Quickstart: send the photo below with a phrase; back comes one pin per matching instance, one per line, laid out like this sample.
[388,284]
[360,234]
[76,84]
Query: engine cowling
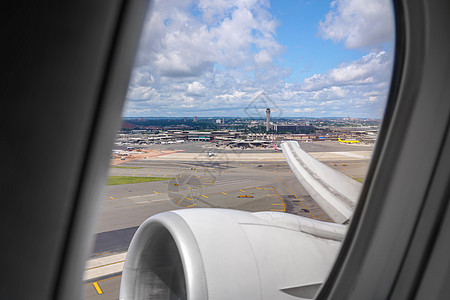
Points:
[228,254]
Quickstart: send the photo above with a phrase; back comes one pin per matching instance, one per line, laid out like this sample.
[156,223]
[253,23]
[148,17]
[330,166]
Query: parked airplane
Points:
[68,63]
[348,141]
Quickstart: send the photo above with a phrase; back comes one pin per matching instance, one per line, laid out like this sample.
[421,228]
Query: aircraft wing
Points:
[334,192]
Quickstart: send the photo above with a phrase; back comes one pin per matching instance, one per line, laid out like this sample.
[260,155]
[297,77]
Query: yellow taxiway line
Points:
[296,196]
[97,288]
[282,202]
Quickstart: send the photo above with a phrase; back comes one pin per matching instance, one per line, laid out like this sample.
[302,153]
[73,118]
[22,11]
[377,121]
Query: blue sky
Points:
[305,52]
[214,58]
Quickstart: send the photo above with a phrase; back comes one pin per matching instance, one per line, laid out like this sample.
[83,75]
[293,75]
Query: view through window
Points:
[231,101]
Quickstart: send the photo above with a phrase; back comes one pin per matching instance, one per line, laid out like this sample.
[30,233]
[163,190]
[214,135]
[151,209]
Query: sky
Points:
[234,58]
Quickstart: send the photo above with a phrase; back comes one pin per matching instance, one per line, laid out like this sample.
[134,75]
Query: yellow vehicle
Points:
[349,141]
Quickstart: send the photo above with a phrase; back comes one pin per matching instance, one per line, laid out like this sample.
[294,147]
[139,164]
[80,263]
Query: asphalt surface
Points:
[247,185]
[329,146]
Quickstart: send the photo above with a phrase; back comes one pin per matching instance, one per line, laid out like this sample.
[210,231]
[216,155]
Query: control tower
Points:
[267,119]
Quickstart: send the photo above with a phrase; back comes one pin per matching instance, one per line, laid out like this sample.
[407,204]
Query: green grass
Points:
[115,180]
[119,167]
[359,179]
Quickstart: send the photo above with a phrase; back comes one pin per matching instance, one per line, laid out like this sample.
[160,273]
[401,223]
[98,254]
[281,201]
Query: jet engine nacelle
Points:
[228,254]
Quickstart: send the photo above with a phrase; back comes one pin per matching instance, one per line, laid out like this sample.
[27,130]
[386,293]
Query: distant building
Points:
[199,136]
[185,119]
[219,121]
[293,129]
[223,120]
[267,119]
[195,118]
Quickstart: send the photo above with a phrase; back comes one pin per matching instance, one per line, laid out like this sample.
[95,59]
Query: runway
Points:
[232,181]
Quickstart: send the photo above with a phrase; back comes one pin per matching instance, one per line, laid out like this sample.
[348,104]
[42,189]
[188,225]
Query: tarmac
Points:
[251,181]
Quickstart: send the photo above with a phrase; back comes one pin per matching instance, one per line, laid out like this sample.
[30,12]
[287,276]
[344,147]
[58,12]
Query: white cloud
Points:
[306,109]
[371,68]
[359,23]
[179,44]
[214,62]
[140,92]
[332,92]
[195,88]
[263,58]
[358,88]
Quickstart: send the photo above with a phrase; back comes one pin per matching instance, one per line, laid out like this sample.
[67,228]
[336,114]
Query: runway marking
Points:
[155,192]
[97,288]
[149,175]
[190,188]
[189,199]
[165,176]
[181,175]
[252,164]
[271,195]
[282,202]
[112,198]
[277,204]
[192,205]
[259,188]
[133,175]
[205,196]
[296,197]
[275,171]
[224,193]
[242,191]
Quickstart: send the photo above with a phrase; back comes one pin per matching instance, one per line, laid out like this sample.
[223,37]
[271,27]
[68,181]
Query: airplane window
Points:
[270,108]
